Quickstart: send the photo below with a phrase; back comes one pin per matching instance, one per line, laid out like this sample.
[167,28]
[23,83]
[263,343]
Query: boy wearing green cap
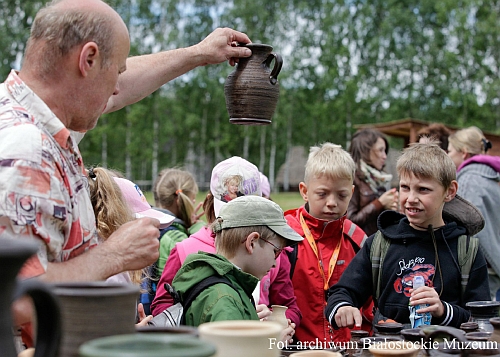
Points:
[251,232]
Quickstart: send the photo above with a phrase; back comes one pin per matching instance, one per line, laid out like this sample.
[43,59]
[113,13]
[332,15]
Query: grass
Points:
[286,200]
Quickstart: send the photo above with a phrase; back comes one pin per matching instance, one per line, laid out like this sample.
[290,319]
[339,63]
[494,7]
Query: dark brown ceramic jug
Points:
[91,310]
[13,254]
[252,89]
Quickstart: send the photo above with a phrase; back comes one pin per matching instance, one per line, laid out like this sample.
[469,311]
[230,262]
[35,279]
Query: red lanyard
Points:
[314,247]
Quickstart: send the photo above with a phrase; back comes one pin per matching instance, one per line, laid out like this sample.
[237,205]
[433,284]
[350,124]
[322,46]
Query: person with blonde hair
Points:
[116,201]
[174,192]
[478,176]
[332,240]
[423,242]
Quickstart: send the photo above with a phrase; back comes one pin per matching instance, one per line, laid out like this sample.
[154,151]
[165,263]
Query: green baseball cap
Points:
[247,211]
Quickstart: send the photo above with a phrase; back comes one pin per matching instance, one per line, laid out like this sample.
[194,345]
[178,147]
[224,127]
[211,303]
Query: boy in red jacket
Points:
[331,240]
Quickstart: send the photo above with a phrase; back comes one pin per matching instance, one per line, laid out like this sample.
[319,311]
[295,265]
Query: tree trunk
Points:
[262,161]
[128,140]
[104,146]
[272,156]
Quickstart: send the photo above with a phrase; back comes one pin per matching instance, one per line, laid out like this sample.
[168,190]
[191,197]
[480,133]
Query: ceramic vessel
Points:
[495,322]
[394,348]
[388,329]
[278,315]
[168,330]
[252,89]
[448,341]
[481,312]
[92,310]
[478,336]
[13,254]
[469,327]
[413,334]
[142,345]
[242,338]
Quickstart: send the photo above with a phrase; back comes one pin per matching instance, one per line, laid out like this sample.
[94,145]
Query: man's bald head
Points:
[64,25]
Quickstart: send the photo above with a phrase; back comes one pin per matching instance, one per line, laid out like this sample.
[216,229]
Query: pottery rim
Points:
[234,328]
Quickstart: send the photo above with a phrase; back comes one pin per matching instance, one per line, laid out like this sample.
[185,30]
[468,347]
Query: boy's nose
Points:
[413,197]
[331,202]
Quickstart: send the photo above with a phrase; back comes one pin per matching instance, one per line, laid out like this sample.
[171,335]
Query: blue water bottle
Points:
[415,318]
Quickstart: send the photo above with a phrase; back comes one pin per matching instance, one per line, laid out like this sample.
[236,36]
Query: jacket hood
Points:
[200,266]
[489,160]
[394,225]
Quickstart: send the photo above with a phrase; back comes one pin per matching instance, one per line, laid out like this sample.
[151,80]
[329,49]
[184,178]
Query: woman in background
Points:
[478,176]
[372,193]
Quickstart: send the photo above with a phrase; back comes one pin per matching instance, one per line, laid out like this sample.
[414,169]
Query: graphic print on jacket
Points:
[409,270]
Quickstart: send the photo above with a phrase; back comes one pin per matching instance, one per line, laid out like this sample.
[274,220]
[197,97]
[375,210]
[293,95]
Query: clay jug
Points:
[278,315]
[13,254]
[92,310]
[252,89]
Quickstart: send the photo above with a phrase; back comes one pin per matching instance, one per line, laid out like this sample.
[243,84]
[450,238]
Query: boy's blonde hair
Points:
[173,183]
[427,160]
[330,160]
[228,240]
[470,140]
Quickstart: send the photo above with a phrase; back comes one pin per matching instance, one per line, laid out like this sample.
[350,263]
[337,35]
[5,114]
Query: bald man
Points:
[75,68]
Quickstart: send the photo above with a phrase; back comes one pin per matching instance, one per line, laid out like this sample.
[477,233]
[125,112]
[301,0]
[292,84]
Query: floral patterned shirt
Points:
[43,189]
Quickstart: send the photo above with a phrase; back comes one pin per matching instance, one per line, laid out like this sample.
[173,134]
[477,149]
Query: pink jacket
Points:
[275,288]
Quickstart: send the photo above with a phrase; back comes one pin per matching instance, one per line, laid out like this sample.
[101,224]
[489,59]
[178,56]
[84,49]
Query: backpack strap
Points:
[292,257]
[467,250]
[193,293]
[378,251]
[355,235]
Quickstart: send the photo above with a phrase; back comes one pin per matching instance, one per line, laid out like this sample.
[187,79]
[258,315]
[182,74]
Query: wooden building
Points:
[408,129]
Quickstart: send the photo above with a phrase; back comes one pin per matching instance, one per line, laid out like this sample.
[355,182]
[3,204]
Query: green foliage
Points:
[345,63]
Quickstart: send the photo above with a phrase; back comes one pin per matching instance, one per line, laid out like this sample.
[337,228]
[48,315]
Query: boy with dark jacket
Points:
[422,242]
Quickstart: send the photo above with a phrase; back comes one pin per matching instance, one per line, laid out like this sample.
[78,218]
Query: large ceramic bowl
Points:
[144,345]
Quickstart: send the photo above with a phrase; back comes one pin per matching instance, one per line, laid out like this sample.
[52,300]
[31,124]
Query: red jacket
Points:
[307,280]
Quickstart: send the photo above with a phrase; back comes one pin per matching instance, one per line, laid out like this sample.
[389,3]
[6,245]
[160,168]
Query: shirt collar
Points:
[39,111]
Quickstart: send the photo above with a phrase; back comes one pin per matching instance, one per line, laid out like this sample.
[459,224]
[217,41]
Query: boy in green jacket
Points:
[251,232]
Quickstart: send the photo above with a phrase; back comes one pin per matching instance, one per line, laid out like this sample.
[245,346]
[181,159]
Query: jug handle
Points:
[278,63]
[47,309]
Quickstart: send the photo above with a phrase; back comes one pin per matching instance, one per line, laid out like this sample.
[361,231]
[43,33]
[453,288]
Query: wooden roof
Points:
[408,129]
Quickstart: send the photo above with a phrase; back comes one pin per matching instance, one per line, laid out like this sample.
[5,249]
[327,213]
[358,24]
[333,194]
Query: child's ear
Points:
[251,241]
[452,191]
[303,190]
